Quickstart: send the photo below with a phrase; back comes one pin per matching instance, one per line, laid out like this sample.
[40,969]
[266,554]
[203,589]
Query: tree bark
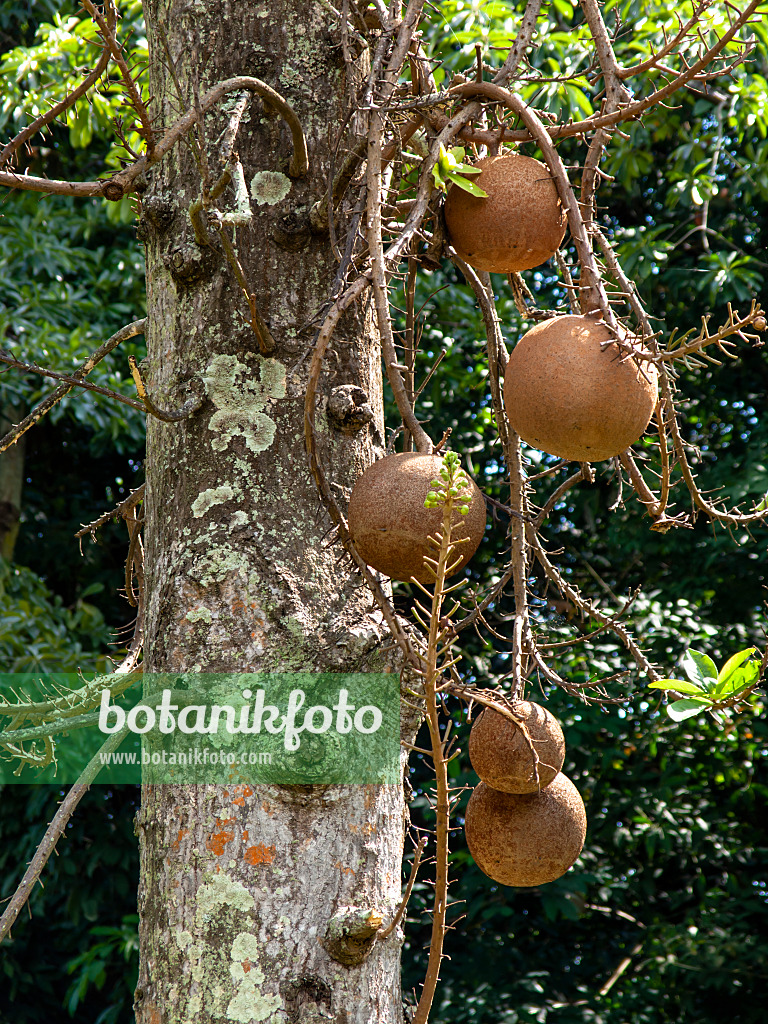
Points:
[239,885]
[11,484]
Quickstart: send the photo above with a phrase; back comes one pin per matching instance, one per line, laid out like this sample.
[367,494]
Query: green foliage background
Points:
[672,875]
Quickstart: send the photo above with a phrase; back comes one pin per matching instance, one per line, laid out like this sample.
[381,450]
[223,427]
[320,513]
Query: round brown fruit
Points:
[390,525]
[568,395]
[501,756]
[519,225]
[527,839]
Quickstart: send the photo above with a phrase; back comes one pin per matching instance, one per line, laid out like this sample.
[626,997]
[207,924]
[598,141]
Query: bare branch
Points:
[115,187]
[130,331]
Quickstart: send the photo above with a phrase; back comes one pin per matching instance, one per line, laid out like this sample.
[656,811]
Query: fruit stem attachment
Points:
[592,291]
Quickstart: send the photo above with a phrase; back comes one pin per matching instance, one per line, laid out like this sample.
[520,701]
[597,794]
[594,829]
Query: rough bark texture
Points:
[239,886]
[11,483]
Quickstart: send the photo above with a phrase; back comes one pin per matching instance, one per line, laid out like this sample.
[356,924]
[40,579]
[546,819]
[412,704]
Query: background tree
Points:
[611,547]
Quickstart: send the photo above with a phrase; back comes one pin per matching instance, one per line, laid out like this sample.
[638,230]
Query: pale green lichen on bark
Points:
[217,564]
[227,986]
[199,615]
[269,188]
[221,891]
[249,1003]
[213,496]
[241,399]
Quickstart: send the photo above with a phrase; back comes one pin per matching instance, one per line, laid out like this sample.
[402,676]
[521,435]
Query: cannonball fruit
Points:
[567,395]
[519,225]
[503,759]
[390,525]
[526,839]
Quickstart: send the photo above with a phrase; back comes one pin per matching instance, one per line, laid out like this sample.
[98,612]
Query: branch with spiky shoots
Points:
[685,347]
[451,493]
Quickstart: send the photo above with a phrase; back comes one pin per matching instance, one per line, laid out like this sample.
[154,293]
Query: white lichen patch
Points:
[269,187]
[241,399]
[221,892]
[213,496]
[240,518]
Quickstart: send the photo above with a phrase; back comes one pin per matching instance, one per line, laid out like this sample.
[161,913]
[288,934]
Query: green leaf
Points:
[699,668]
[679,685]
[468,169]
[740,679]
[679,710]
[468,186]
[733,663]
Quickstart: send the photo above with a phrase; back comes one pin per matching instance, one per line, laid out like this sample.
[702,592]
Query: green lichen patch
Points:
[269,188]
[249,1003]
[222,891]
[217,564]
[213,496]
[199,615]
[241,398]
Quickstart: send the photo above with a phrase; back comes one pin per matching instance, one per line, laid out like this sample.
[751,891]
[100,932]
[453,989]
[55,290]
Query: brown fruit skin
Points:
[568,396]
[502,758]
[519,226]
[389,524]
[528,839]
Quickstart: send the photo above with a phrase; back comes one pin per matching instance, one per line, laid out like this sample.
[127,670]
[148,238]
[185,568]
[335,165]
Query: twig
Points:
[58,108]
[130,331]
[408,889]
[134,97]
[55,830]
[119,510]
[17,364]
[115,187]
[168,416]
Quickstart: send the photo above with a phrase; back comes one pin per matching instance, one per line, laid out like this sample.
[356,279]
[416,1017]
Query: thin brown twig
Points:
[108,34]
[57,109]
[119,184]
[129,331]
[408,889]
[119,510]
[65,378]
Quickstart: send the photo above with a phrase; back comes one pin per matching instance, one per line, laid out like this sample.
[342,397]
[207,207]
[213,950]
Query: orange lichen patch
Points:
[182,832]
[259,854]
[344,870]
[367,829]
[239,795]
[222,835]
[370,797]
[154,1016]
[245,835]
[246,965]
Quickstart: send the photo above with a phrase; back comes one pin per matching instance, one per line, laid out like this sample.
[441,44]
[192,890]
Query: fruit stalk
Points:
[438,660]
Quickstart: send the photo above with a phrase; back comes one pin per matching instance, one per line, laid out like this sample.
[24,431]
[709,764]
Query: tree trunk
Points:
[11,484]
[238,885]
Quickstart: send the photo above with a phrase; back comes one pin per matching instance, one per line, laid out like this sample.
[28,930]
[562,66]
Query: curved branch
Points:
[119,184]
[57,109]
[625,113]
[129,331]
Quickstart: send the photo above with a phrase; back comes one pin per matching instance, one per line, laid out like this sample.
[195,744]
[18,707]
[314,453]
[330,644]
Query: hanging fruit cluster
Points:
[573,389]
[525,822]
